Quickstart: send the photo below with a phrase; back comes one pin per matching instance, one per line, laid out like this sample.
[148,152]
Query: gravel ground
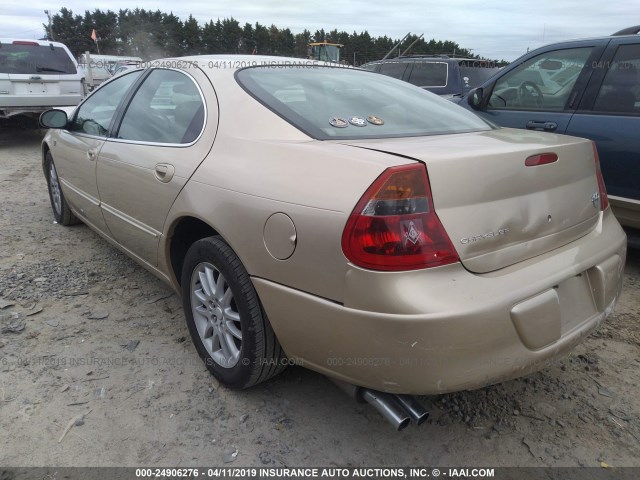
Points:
[92,340]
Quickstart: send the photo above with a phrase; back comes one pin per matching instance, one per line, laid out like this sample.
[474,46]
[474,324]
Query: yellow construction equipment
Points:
[325,51]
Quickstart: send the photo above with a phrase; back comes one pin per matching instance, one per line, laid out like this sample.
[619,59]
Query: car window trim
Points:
[607,114]
[129,98]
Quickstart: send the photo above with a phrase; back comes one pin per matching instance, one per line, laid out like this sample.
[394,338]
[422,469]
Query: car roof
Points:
[428,57]
[232,63]
[43,43]
[569,42]
[627,32]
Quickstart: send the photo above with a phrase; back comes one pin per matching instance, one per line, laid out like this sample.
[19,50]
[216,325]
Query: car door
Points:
[541,91]
[610,115]
[157,146]
[77,148]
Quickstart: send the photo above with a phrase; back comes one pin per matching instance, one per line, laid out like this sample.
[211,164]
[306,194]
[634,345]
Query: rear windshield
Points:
[32,59]
[343,103]
[429,74]
[393,69]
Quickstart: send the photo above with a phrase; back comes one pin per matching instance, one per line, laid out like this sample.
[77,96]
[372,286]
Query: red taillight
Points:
[541,159]
[602,191]
[23,42]
[394,225]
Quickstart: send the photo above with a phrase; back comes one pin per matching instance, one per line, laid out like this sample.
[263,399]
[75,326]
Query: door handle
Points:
[92,153]
[546,126]
[164,172]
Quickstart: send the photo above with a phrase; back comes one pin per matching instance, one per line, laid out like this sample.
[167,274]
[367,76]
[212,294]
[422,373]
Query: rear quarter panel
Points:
[261,165]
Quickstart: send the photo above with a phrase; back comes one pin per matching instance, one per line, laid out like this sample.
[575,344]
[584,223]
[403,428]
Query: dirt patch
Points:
[86,329]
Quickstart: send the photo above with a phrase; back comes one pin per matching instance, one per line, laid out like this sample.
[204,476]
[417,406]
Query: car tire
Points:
[61,211]
[228,326]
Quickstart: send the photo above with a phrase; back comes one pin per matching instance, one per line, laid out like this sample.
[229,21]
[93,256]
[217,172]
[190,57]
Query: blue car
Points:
[448,77]
[586,88]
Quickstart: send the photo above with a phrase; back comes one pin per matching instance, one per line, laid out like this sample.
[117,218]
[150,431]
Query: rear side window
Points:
[167,108]
[429,74]
[343,103]
[620,91]
[29,59]
[393,69]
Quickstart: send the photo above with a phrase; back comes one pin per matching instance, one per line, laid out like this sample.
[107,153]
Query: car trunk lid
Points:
[497,210]
[33,84]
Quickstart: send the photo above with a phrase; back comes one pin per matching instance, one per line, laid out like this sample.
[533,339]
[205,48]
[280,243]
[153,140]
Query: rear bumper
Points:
[446,329]
[38,102]
[626,210]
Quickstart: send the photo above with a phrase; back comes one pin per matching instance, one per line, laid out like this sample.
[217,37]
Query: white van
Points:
[36,75]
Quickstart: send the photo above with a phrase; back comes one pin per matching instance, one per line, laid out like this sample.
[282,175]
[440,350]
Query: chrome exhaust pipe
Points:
[385,403]
[413,408]
[388,407]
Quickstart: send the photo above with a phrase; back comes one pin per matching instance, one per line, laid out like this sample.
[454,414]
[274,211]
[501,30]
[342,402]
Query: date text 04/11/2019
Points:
[248,473]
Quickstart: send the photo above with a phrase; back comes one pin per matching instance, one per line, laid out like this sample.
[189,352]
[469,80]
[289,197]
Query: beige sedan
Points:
[354,223]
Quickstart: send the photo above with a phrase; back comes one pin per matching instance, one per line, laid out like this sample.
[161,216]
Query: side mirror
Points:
[54,119]
[475,98]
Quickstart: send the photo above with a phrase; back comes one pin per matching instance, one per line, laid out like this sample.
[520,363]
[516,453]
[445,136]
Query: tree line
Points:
[154,34]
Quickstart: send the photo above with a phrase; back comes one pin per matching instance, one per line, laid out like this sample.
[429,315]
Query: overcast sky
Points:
[500,29]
